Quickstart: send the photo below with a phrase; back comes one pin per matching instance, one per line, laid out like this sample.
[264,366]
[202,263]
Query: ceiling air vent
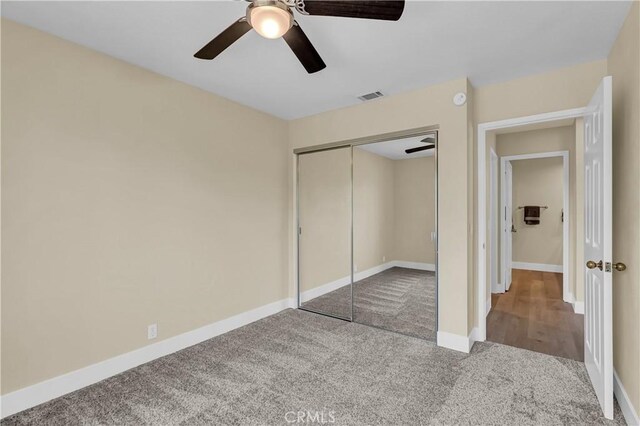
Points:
[370,96]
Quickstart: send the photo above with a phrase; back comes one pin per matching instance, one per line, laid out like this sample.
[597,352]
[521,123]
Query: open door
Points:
[507,224]
[598,329]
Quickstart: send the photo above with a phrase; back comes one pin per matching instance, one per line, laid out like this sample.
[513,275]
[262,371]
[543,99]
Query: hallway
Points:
[532,315]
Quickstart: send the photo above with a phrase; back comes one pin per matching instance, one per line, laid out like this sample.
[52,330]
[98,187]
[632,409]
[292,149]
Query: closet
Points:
[366,225]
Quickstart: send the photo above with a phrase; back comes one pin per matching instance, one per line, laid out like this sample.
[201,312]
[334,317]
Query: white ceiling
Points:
[395,149]
[433,42]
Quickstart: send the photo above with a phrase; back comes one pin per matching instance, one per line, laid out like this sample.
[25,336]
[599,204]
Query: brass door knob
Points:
[619,266]
[592,265]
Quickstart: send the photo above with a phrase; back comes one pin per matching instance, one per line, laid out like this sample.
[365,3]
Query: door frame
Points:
[494,228]
[504,255]
[566,241]
[481,258]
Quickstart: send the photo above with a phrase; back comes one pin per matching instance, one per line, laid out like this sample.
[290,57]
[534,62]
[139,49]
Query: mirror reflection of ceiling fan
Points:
[430,142]
[274,19]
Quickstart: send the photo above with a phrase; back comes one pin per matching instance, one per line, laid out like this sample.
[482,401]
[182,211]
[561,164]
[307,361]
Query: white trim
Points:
[483,128]
[341,282]
[488,305]
[47,390]
[542,267]
[536,155]
[505,233]
[624,401]
[415,265]
[494,223]
[473,337]
[578,307]
[455,341]
[324,289]
[571,299]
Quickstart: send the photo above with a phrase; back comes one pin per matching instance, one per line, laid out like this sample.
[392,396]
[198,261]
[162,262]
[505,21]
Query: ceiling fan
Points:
[429,140]
[274,19]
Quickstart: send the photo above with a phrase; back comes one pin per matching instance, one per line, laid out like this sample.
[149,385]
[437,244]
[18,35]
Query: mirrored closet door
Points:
[394,250]
[367,245]
[324,232]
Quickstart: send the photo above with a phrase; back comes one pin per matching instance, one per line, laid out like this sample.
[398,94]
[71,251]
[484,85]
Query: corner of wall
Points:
[472,207]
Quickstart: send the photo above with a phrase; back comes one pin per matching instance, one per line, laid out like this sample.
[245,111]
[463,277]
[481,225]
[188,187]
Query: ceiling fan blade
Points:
[303,49]
[418,149]
[388,10]
[224,39]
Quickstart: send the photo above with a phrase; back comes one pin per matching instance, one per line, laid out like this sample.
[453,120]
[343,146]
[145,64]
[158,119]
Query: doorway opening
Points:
[593,198]
[533,301]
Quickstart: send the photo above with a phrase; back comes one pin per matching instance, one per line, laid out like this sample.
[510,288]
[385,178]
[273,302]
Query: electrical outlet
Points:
[152,331]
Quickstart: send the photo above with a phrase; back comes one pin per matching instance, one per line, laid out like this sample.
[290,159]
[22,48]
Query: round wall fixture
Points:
[459,99]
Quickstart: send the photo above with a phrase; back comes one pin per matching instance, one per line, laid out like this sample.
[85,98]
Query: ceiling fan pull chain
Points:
[300,7]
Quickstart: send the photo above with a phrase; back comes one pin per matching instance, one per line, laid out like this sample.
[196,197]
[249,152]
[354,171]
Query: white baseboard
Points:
[47,390]
[341,282]
[630,414]
[569,298]
[372,271]
[543,267]
[474,336]
[324,289]
[455,341]
[578,307]
[414,265]
[497,288]
[488,307]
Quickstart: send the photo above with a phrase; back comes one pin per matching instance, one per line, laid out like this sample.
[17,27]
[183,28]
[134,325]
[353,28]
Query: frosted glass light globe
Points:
[270,21]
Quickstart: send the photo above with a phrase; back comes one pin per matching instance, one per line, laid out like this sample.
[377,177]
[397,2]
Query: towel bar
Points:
[542,207]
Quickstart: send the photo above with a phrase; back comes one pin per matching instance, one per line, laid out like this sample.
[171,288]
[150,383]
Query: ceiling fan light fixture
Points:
[270,19]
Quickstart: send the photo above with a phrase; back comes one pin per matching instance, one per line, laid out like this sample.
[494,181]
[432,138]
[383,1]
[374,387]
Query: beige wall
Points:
[393,213]
[538,182]
[428,106]
[121,209]
[325,217]
[373,209]
[567,137]
[564,88]
[394,209]
[415,211]
[624,66]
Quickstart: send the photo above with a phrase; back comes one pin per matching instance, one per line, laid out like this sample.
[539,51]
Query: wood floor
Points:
[532,315]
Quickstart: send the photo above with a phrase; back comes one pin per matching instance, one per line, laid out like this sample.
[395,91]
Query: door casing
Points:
[480,332]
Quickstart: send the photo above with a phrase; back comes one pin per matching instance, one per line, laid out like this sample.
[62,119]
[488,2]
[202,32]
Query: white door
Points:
[507,224]
[598,347]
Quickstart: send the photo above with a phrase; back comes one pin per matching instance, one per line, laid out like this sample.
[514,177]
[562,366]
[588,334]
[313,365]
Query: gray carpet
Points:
[298,361]
[398,299]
